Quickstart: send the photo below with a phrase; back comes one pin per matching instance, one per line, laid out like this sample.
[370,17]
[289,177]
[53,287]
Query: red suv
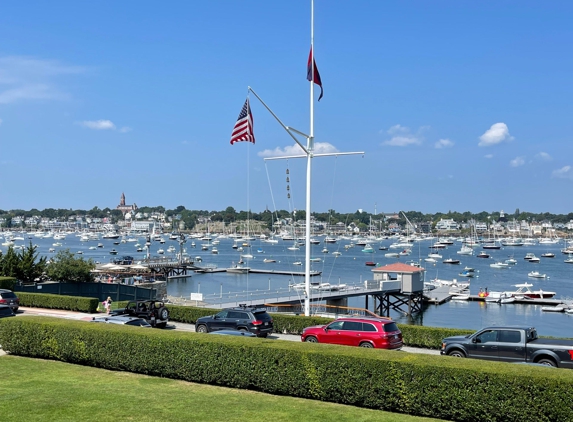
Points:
[381,333]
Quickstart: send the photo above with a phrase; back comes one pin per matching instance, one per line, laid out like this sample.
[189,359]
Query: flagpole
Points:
[310,148]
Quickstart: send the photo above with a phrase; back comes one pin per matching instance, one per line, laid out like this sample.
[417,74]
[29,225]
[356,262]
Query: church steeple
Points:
[122,200]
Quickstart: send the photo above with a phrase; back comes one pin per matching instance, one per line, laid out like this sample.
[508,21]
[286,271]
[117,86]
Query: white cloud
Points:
[25,78]
[497,133]
[402,136]
[488,156]
[563,173]
[319,148]
[125,129]
[444,143]
[544,156]
[98,124]
[517,161]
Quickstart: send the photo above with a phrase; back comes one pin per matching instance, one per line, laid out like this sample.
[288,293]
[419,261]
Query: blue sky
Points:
[462,106]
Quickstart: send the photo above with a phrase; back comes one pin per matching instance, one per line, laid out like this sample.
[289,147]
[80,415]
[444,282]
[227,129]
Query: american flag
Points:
[313,76]
[243,130]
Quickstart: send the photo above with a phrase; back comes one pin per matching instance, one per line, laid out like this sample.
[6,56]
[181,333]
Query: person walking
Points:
[108,304]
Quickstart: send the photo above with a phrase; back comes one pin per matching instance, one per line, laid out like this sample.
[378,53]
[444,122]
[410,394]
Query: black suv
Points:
[243,318]
[153,311]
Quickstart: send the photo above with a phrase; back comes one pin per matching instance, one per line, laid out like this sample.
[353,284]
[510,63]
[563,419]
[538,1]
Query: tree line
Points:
[229,215]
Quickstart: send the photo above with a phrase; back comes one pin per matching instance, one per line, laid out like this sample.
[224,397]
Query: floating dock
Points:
[256,271]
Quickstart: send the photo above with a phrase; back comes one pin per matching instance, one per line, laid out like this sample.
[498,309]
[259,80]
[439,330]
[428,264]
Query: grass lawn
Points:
[41,390]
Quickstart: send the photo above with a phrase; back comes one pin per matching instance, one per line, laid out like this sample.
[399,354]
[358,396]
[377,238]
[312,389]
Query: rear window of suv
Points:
[262,316]
[390,327]
[8,295]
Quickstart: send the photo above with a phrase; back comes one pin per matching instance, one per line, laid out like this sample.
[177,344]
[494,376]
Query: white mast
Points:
[309,147]
[309,154]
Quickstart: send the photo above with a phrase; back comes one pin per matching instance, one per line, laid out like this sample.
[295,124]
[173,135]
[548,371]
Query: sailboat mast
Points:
[308,170]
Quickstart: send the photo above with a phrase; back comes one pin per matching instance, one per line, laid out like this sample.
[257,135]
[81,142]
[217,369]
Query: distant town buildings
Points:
[125,208]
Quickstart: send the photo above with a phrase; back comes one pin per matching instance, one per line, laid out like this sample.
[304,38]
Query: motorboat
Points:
[113,252]
[548,255]
[511,261]
[297,263]
[368,249]
[435,255]
[336,253]
[528,256]
[405,252]
[100,245]
[483,254]
[370,264]
[269,260]
[238,269]
[431,260]
[466,250]
[524,291]
[468,274]
[537,274]
[451,261]
[500,265]
[569,261]
[325,250]
[534,260]
[392,255]
[160,251]
[315,259]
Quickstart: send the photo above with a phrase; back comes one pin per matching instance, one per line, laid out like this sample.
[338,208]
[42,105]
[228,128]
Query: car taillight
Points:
[3,301]
[570,354]
[384,335]
[257,322]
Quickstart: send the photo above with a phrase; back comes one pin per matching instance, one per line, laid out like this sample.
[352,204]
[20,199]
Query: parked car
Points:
[8,297]
[243,318]
[123,320]
[510,344]
[380,333]
[6,311]
[153,311]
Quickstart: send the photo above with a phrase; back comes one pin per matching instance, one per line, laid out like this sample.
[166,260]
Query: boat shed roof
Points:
[398,267]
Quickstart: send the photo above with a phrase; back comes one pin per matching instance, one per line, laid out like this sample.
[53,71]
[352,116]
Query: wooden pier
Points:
[256,271]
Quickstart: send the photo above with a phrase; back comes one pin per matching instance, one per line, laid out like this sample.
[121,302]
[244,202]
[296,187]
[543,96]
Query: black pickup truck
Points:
[510,344]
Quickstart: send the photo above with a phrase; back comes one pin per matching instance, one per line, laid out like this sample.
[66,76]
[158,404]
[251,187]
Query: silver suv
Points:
[8,297]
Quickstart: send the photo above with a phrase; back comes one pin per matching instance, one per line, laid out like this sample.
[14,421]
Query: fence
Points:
[101,291]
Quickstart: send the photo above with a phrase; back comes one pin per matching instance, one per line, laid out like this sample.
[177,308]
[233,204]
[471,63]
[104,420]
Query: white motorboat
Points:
[500,265]
[511,261]
[548,255]
[368,249]
[537,274]
[336,253]
[431,260]
[392,255]
[466,250]
[524,291]
[238,269]
[160,251]
[534,260]
[269,260]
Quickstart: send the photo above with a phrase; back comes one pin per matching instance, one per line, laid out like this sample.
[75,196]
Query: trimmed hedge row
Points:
[7,283]
[51,301]
[424,385]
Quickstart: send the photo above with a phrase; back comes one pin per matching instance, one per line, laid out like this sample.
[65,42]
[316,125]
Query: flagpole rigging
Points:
[314,78]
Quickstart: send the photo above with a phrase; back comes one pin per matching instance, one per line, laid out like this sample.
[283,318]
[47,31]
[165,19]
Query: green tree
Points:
[30,268]
[66,267]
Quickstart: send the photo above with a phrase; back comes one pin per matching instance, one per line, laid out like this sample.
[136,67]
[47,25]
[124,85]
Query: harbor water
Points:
[349,268]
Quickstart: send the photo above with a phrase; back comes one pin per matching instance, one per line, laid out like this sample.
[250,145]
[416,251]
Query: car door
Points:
[511,345]
[219,321]
[332,333]
[352,333]
[484,345]
[236,319]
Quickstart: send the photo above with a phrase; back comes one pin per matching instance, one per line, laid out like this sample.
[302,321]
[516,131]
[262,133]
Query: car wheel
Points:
[456,354]
[366,345]
[201,329]
[311,339]
[547,362]
[164,314]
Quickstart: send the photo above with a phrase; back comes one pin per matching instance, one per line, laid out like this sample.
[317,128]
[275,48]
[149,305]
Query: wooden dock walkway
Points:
[256,271]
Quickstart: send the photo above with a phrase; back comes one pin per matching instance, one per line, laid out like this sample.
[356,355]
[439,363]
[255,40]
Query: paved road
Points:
[23,311]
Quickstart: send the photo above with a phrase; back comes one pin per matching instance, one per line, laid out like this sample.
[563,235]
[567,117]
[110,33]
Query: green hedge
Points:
[51,301]
[424,385]
[8,283]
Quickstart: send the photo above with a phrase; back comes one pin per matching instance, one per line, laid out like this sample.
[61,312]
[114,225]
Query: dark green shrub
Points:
[424,385]
[8,283]
[51,301]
